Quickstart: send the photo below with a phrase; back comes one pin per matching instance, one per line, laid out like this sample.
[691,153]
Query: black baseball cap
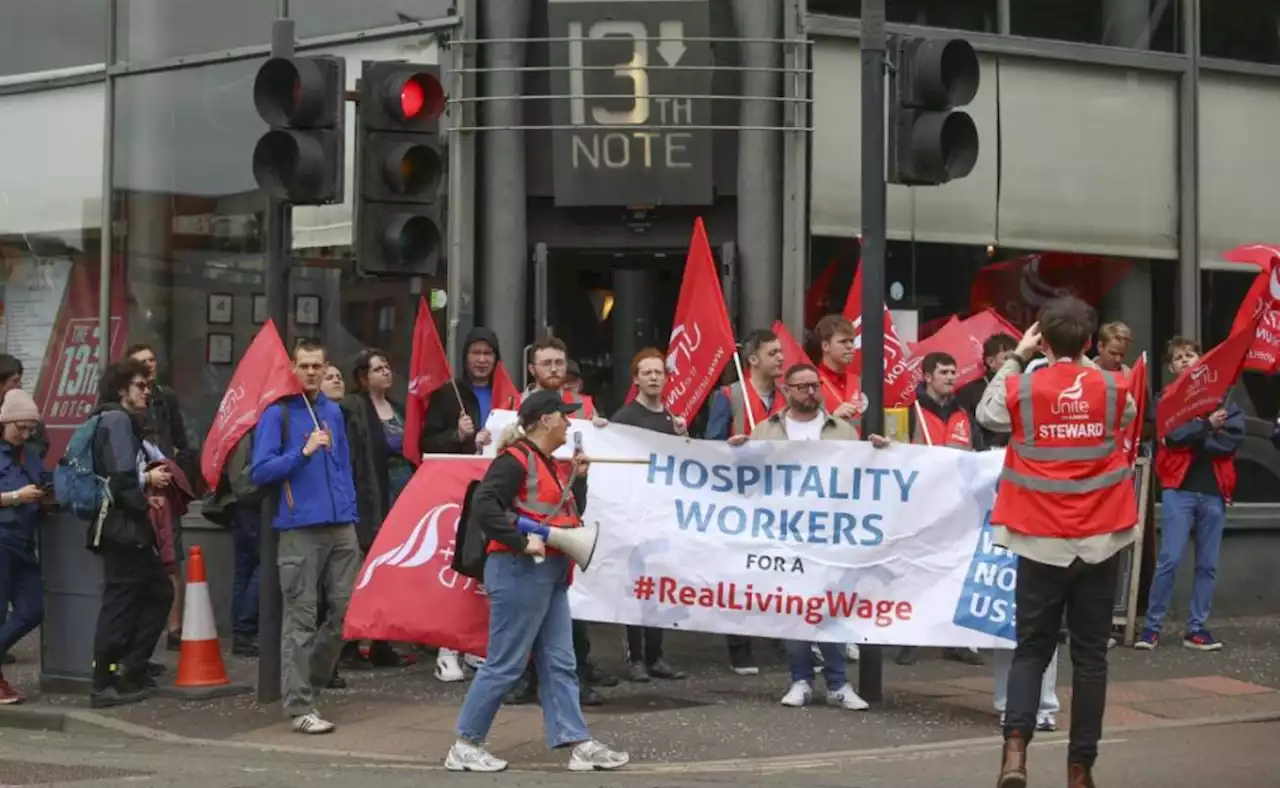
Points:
[544,403]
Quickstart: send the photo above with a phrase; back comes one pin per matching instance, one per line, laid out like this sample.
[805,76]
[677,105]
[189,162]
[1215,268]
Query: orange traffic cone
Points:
[201,673]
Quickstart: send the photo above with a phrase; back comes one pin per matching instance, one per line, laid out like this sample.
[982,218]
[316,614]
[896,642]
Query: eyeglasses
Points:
[552,363]
[808,388]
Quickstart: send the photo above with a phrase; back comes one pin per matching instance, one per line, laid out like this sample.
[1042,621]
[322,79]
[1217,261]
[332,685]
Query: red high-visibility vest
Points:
[739,425]
[1172,464]
[956,432]
[1066,474]
[839,388]
[543,496]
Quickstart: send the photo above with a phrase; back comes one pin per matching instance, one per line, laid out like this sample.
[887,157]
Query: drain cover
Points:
[36,773]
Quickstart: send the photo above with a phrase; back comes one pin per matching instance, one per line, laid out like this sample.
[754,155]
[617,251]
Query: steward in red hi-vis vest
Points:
[1066,474]
[738,424]
[547,495]
[932,429]
[587,409]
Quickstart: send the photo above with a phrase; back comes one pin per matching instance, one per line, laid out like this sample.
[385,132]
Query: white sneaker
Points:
[467,757]
[1046,722]
[312,724]
[448,668]
[798,696]
[746,670]
[846,698]
[852,653]
[591,756]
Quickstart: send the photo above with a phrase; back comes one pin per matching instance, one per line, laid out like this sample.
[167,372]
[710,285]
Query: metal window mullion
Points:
[1189,176]
[106,237]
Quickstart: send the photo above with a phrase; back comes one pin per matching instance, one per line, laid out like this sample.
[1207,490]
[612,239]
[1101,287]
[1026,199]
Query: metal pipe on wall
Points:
[1189,177]
[759,166]
[504,258]
[106,217]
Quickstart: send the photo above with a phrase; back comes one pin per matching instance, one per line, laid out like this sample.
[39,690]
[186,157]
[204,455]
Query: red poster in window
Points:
[67,390]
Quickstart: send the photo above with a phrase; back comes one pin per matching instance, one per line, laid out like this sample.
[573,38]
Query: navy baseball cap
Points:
[544,403]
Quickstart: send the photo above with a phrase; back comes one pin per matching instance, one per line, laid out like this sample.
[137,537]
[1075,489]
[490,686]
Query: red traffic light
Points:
[414,97]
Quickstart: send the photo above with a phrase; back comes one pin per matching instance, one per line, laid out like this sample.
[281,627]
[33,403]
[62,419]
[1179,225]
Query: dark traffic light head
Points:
[931,142]
[301,158]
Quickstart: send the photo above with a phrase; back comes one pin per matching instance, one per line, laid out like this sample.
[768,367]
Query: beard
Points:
[804,406]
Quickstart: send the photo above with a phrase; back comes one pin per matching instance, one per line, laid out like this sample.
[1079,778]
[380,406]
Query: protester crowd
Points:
[325,466]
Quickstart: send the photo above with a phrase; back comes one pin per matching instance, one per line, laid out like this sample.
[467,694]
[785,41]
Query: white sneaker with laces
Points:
[1046,722]
[591,756]
[852,653]
[467,757]
[846,698]
[448,668]
[312,724]
[798,696]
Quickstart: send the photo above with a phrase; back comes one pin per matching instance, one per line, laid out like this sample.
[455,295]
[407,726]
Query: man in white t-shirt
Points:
[804,419]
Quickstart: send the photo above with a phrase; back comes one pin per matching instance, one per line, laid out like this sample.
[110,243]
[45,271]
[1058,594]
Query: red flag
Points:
[504,391]
[1138,388]
[956,340]
[701,336]
[1202,388]
[264,375]
[792,352]
[1018,288]
[988,323]
[1259,307]
[899,386]
[428,371]
[406,590]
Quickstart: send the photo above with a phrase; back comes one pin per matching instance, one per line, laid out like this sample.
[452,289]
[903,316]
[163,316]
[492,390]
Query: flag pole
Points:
[920,420]
[746,394]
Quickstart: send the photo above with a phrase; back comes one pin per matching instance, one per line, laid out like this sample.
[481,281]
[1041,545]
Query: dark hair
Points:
[754,340]
[306,345]
[1178,343]
[360,370]
[549,343]
[1067,323]
[119,377]
[934,360]
[9,366]
[831,325]
[644,355]
[798,367]
[997,344]
[138,348]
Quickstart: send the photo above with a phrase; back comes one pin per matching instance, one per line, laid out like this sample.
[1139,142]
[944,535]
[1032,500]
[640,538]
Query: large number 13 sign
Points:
[635,70]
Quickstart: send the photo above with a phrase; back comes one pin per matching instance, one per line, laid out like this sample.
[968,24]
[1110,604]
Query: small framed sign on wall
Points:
[219,350]
[221,309]
[306,310]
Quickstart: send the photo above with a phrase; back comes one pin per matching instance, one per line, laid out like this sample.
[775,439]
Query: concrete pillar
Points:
[760,167]
[504,245]
[1126,23]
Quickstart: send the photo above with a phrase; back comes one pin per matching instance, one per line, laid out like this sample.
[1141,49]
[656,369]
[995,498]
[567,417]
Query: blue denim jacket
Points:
[20,466]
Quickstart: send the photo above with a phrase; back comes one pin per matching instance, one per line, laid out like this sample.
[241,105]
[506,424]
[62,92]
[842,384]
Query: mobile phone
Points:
[577,443]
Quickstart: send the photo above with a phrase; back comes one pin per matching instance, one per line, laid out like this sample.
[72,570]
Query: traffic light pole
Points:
[871,664]
[279,248]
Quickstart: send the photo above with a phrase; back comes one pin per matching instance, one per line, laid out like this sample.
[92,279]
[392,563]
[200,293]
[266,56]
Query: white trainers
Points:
[852,653]
[591,756]
[448,668]
[846,698]
[467,757]
[799,695]
[312,724]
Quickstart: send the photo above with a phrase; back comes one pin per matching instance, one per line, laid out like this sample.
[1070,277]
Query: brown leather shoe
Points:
[1079,776]
[1013,767]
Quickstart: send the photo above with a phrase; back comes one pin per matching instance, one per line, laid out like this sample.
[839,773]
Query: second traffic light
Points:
[930,141]
[401,155]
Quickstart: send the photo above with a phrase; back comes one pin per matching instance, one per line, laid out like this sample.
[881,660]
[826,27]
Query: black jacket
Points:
[440,433]
[368,444]
[116,446]
[969,396]
[168,431]
[497,492]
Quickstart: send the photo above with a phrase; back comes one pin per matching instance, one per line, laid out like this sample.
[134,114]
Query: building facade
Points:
[1125,146]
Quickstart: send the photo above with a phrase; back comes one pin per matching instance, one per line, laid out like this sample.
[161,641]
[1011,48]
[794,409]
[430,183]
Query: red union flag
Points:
[955,340]
[428,371]
[701,336]
[407,589]
[1138,388]
[896,351]
[1259,306]
[1202,388]
[264,375]
[1018,288]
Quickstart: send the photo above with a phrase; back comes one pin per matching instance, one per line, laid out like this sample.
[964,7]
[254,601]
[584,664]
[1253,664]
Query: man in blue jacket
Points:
[304,455]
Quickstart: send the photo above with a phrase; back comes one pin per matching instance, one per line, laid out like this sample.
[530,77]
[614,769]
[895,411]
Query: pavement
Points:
[713,717]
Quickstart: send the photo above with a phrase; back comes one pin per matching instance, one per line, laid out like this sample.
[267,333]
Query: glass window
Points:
[39,35]
[159,29]
[1241,30]
[978,15]
[50,215]
[1133,24]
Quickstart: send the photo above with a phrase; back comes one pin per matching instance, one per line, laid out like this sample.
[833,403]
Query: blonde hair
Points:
[1116,330]
[509,435]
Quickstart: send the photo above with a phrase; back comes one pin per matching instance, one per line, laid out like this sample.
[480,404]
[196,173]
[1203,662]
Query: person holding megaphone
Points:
[521,500]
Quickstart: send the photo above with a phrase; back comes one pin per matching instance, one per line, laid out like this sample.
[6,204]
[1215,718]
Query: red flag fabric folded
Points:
[428,371]
[702,340]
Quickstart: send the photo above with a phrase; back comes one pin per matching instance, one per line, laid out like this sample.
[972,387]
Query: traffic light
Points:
[930,141]
[400,150]
[300,159]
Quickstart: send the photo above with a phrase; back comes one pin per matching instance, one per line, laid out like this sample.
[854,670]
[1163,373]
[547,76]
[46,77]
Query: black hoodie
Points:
[440,433]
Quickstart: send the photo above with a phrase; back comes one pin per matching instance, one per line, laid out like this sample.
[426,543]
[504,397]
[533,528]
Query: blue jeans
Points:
[246,524]
[528,612]
[1184,515]
[800,661]
[20,587]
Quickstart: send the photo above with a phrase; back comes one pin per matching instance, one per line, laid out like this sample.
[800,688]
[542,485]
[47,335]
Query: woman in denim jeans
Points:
[528,585]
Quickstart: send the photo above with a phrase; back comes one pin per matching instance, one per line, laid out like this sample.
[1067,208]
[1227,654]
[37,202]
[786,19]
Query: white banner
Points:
[830,541]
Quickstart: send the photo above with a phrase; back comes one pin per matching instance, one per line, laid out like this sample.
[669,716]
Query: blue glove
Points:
[527,526]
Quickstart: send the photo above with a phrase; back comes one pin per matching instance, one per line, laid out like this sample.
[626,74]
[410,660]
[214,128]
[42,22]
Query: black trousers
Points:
[740,651]
[644,644]
[136,596]
[1086,593]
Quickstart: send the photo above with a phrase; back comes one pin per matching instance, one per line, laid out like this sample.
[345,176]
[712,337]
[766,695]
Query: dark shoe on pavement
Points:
[336,682]
[244,646]
[1079,776]
[118,694]
[587,696]
[1149,640]
[1201,641]
[906,656]
[1013,764]
[352,659]
[964,656]
[637,673]
[382,655]
[156,670]
[173,641]
[597,677]
[663,670]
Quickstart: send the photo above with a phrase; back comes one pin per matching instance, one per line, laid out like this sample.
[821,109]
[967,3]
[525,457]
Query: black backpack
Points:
[470,545]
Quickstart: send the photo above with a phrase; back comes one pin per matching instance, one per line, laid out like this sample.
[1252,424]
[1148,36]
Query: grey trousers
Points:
[313,561]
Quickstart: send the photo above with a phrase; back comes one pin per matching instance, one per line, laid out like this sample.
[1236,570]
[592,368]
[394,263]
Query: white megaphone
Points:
[577,543]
